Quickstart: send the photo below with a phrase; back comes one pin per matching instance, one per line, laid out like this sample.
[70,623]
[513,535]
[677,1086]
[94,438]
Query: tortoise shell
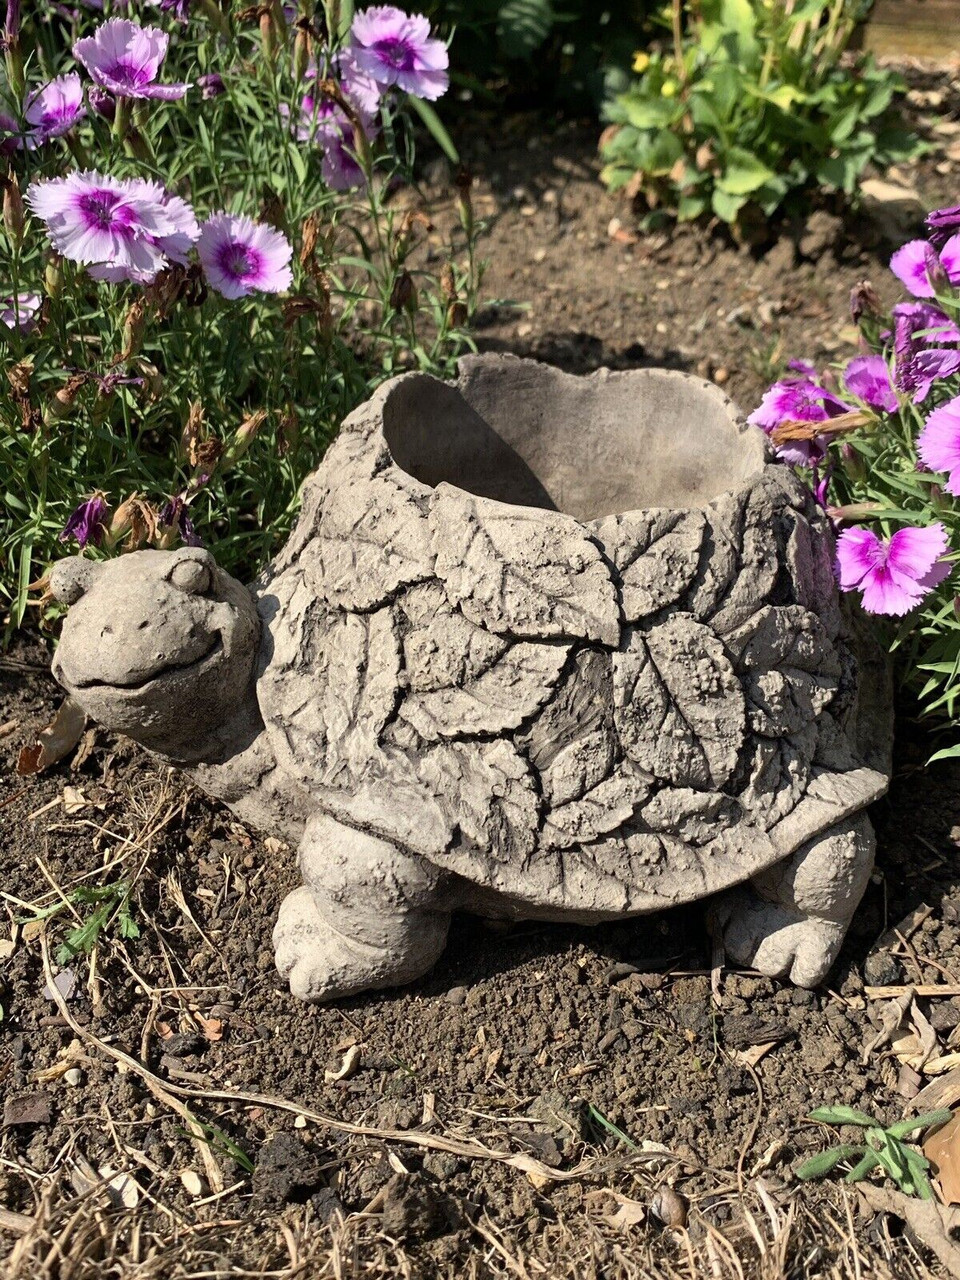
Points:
[594,713]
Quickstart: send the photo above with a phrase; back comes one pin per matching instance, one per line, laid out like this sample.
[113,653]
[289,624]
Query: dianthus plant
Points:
[879,441]
[214,249]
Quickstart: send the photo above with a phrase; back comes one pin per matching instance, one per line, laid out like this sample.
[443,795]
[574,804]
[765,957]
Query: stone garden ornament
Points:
[540,647]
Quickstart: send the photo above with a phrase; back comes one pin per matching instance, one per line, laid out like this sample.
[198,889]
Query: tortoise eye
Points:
[192,576]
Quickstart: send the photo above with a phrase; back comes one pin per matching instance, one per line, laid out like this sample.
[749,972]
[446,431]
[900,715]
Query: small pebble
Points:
[72,1076]
[456,996]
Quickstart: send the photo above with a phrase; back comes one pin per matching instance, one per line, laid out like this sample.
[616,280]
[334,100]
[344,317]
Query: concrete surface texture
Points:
[540,646]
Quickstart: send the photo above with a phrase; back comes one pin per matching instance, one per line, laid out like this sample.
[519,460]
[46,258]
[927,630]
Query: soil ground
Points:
[547,1096]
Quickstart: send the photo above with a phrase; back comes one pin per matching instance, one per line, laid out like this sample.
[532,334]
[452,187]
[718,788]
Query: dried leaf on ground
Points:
[930,1222]
[54,741]
[942,1149]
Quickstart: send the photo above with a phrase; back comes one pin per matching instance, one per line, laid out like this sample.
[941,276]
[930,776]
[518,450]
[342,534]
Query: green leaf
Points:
[819,1166]
[650,112]
[691,207]
[903,1127]
[523,26]
[945,753]
[726,206]
[860,1170]
[435,128]
[842,1115]
[743,173]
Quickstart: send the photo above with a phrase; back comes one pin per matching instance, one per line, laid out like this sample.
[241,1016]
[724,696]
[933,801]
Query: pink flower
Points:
[20,312]
[868,378]
[93,218]
[50,112]
[893,576]
[240,256]
[799,399]
[939,443]
[174,245]
[918,265]
[125,60]
[396,49]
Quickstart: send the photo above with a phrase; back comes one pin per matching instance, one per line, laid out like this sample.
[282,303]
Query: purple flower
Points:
[103,103]
[174,245]
[939,443]
[53,110]
[179,8]
[917,326]
[211,85]
[339,168]
[125,59]
[174,515]
[797,400]
[396,49]
[49,113]
[88,522]
[132,225]
[893,575]
[918,266]
[868,378]
[941,222]
[20,312]
[240,256]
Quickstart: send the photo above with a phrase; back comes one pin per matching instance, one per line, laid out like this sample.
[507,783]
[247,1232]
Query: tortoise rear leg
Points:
[368,915]
[790,921]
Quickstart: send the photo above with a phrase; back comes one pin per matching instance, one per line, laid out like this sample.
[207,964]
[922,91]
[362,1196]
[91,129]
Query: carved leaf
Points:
[441,647]
[327,711]
[373,539]
[678,704]
[656,553]
[487,790]
[604,808]
[528,573]
[781,702]
[579,767]
[498,700]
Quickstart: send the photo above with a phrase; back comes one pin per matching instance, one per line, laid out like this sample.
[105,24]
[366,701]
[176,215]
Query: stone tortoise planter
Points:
[539,647]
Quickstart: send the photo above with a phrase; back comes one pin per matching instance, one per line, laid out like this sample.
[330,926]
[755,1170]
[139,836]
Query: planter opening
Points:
[534,436]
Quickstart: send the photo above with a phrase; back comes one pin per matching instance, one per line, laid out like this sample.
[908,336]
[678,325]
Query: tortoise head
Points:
[160,645]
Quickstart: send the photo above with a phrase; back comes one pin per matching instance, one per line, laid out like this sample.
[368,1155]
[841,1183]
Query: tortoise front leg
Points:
[790,921]
[367,916]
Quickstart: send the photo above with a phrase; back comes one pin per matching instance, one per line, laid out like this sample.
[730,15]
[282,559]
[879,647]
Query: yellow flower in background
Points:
[669,89]
[641,61]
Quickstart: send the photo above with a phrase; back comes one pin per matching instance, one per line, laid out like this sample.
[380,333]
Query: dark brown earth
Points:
[600,1054]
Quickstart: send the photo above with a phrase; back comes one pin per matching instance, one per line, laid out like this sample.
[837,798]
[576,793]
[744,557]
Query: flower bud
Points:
[301,50]
[288,432]
[864,300]
[463,183]
[403,295]
[243,437]
[103,103]
[133,327]
[61,404]
[53,276]
[13,215]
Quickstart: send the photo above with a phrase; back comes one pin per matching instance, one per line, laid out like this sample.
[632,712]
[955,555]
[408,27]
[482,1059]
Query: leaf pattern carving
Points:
[678,704]
[656,553]
[525,572]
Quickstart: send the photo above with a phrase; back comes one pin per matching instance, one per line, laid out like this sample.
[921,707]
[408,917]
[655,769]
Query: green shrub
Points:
[192,410]
[752,105]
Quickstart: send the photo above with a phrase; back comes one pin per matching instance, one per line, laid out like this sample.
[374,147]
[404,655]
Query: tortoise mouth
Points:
[167,672]
[530,435]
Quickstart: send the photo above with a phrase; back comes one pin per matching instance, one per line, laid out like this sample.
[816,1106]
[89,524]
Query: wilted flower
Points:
[893,575]
[211,85]
[131,227]
[919,266]
[942,222]
[868,378]
[240,256]
[20,312]
[125,60]
[134,521]
[917,328]
[396,49]
[864,300]
[88,523]
[174,522]
[799,399]
[939,443]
